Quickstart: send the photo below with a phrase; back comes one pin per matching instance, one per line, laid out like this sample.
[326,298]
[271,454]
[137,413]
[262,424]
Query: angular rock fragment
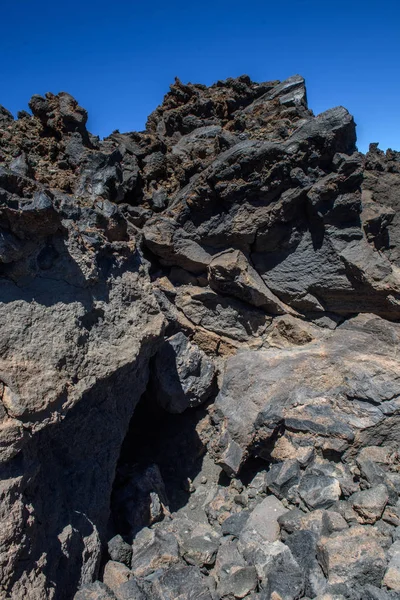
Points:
[181,583]
[264,519]
[152,550]
[115,574]
[119,550]
[352,556]
[185,375]
[237,581]
[95,591]
[392,574]
[200,551]
[319,491]
[221,315]
[231,273]
[370,503]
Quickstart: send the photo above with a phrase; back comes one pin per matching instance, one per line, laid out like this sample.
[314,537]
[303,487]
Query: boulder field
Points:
[199,352]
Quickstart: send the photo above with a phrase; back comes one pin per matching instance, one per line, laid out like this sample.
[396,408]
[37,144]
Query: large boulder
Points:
[315,395]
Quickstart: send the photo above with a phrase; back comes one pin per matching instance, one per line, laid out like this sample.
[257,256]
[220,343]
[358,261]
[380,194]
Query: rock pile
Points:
[199,367]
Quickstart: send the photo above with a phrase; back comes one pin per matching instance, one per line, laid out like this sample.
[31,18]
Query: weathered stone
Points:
[152,550]
[280,574]
[319,491]
[258,203]
[200,551]
[352,556]
[231,273]
[237,581]
[234,524]
[181,583]
[392,574]
[119,550]
[311,406]
[130,590]
[185,375]
[370,504]
[95,591]
[264,519]
[303,545]
[164,238]
[115,574]
[283,476]
[221,315]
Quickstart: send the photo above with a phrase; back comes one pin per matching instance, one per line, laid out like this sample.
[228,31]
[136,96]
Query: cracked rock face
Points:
[235,268]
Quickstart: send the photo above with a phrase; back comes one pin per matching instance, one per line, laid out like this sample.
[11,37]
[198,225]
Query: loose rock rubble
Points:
[199,366]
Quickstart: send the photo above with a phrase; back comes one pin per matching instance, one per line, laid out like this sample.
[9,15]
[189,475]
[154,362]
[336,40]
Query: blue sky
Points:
[118,58]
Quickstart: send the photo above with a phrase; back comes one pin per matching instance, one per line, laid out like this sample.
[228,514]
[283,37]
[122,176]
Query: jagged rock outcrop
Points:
[238,243]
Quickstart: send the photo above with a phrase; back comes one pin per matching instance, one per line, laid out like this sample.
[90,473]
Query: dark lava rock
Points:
[241,247]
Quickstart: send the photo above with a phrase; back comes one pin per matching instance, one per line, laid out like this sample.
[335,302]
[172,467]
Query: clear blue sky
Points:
[118,58]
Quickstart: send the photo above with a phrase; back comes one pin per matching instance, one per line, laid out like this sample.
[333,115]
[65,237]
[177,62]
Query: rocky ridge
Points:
[198,367]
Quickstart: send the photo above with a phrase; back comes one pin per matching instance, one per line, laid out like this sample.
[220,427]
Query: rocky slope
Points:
[198,365]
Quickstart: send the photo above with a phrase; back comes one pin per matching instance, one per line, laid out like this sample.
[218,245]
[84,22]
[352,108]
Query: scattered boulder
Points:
[392,574]
[95,591]
[319,491]
[353,556]
[181,583]
[119,550]
[115,574]
[200,551]
[237,581]
[264,519]
[152,550]
[370,503]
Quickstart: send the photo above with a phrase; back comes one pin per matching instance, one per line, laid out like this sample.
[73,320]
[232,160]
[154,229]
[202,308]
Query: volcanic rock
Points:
[238,247]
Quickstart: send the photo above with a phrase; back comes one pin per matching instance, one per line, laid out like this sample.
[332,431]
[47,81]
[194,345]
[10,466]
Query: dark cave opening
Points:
[161,455]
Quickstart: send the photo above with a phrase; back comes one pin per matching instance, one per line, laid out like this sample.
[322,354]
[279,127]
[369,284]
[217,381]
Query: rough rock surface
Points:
[241,250]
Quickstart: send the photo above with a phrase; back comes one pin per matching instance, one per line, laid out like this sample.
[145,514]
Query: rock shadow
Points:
[157,441]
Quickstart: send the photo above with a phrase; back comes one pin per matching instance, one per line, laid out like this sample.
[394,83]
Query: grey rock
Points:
[319,491]
[371,592]
[19,165]
[375,475]
[353,556]
[310,405]
[370,504]
[166,240]
[279,572]
[237,581]
[224,316]
[181,583]
[392,574]
[283,476]
[234,524]
[94,591]
[303,546]
[254,190]
[152,550]
[130,590]
[228,554]
[200,550]
[264,519]
[230,273]
[119,550]
[185,375]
